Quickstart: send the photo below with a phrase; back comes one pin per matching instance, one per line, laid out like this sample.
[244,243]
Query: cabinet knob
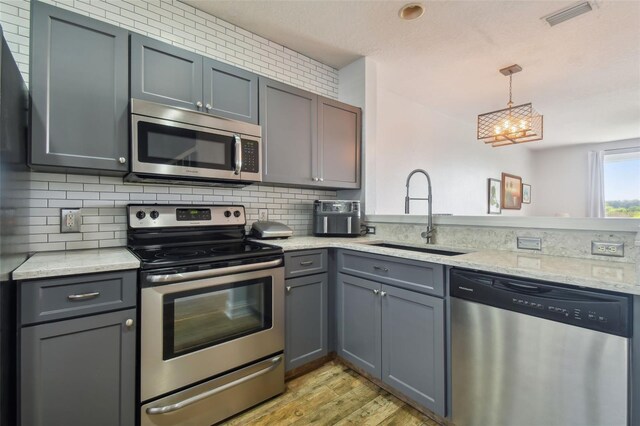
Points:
[122,160]
[208,107]
[199,104]
[376,291]
[315,179]
[383,293]
[129,323]
[288,288]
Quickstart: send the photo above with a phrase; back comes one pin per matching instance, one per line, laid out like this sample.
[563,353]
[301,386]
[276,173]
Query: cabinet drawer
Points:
[423,277]
[54,299]
[305,262]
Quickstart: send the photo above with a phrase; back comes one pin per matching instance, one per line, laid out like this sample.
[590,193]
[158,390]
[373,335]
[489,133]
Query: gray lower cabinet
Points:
[395,335]
[165,74]
[79,371]
[79,92]
[308,140]
[169,75]
[306,321]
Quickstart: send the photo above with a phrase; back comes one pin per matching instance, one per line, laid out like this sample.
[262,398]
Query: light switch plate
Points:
[70,220]
[530,243]
[607,249]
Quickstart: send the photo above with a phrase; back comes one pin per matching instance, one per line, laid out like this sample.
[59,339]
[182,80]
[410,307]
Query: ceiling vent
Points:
[568,13]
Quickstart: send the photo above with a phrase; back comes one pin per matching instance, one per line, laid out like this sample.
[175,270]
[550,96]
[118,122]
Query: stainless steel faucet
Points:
[428,234]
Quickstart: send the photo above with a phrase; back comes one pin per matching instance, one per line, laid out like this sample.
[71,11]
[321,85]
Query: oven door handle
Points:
[210,273]
[185,402]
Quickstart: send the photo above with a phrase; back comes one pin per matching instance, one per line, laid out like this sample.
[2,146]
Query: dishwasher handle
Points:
[519,287]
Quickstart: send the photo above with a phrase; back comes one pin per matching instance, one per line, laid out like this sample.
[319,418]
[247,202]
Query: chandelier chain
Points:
[510,104]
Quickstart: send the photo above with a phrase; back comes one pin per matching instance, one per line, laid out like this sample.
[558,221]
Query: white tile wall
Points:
[102,199]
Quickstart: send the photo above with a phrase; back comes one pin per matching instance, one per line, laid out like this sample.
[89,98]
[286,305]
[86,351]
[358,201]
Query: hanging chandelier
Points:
[512,125]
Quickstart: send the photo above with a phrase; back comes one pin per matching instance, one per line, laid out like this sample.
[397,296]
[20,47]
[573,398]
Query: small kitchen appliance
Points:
[336,218]
[266,229]
[211,313]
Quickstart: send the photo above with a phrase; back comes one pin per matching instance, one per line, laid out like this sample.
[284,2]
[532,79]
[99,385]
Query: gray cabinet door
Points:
[359,322]
[306,319]
[289,134]
[165,74]
[79,91]
[79,372]
[413,346]
[339,144]
[230,92]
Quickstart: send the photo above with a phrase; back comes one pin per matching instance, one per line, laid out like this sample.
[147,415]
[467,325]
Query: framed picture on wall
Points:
[526,194]
[511,192]
[493,196]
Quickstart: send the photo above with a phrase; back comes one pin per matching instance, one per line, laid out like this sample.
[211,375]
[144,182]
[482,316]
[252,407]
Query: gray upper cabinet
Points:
[339,142]
[79,372]
[359,323]
[413,346]
[79,92]
[306,319]
[165,74]
[230,92]
[308,140]
[289,121]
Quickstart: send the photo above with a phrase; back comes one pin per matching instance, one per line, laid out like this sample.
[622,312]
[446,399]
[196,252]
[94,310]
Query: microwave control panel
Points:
[250,156]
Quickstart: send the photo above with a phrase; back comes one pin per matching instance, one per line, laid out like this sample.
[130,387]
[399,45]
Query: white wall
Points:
[411,135]
[562,176]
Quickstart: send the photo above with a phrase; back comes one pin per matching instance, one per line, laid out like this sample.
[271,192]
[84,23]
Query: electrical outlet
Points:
[607,249]
[529,243]
[263,214]
[371,230]
[70,220]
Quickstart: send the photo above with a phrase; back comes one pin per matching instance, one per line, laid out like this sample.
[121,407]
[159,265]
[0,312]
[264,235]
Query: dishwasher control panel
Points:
[609,313]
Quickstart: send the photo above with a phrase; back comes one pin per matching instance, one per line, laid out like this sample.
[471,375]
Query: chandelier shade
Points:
[512,125]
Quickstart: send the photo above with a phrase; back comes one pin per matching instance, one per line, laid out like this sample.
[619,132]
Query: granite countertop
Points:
[76,262]
[599,274]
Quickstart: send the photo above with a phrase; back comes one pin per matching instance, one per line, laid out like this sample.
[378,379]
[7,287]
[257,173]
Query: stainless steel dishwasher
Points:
[526,353]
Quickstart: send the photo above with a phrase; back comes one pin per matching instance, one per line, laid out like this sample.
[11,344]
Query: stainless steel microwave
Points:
[176,145]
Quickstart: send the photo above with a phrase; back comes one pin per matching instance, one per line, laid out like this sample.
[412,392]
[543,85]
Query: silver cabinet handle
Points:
[321,179]
[383,293]
[315,179]
[238,143]
[306,263]
[208,107]
[381,268]
[122,160]
[129,323]
[376,291]
[210,273]
[185,402]
[199,104]
[83,296]
[288,289]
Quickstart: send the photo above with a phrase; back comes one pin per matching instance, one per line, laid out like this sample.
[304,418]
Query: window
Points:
[622,183]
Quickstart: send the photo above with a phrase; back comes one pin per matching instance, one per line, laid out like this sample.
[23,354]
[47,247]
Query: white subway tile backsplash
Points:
[103,198]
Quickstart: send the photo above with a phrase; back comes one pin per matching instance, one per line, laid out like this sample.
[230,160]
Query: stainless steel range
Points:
[211,314]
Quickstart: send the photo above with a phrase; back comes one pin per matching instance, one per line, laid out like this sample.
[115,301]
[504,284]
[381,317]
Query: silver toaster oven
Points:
[336,218]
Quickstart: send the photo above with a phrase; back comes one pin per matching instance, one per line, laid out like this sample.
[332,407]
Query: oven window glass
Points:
[197,319]
[175,146]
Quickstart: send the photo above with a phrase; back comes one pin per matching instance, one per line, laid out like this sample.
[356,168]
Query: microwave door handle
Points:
[238,156]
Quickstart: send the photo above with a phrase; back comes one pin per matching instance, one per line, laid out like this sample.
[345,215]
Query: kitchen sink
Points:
[418,249]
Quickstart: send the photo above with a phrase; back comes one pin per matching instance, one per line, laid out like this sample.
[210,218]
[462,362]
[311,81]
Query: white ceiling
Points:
[583,75]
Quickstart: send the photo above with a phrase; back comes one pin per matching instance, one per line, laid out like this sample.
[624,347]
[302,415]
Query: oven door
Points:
[193,330]
[165,147]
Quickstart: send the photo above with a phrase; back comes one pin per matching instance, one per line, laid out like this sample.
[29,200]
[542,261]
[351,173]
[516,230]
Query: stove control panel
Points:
[163,216]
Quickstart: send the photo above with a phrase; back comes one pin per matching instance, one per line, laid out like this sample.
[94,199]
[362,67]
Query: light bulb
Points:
[498,130]
[523,124]
[513,129]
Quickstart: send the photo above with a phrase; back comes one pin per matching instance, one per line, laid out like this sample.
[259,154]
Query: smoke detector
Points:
[567,13]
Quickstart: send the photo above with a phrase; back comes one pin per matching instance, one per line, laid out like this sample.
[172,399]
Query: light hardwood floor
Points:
[332,395]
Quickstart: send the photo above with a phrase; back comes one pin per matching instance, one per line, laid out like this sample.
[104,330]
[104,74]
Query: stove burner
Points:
[179,254]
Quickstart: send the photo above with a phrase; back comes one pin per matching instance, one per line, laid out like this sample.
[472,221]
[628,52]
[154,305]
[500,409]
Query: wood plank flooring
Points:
[332,395]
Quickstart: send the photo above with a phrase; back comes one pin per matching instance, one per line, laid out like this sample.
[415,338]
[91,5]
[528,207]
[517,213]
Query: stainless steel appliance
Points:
[267,229]
[177,145]
[211,314]
[336,218]
[528,353]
